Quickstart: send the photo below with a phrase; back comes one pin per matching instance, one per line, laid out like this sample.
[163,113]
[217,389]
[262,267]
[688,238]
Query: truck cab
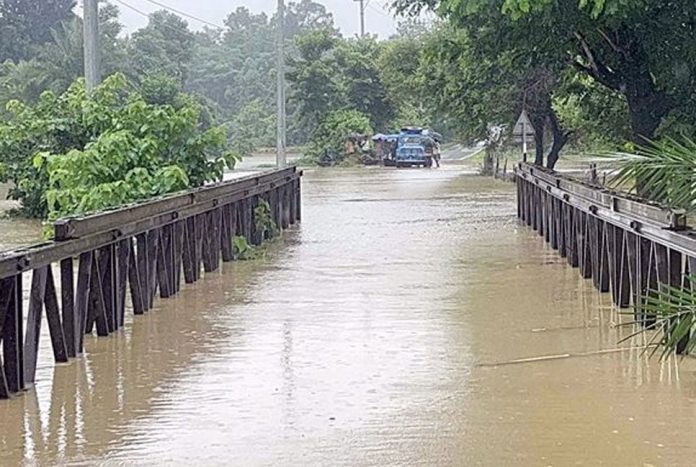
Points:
[410,155]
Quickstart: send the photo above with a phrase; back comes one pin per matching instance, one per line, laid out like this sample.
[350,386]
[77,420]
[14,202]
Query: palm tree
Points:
[665,172]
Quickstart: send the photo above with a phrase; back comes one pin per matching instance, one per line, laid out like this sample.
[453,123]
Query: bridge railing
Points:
[626,245]
[127,256]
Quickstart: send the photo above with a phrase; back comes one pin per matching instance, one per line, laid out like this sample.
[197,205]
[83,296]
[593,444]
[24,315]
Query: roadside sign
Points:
[522,129]
[523,126]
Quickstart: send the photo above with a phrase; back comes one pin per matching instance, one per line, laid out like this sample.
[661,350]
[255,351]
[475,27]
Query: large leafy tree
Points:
[55,64]
[164,46]
[332,73]
[26,24]
[643,49]
[357,66]
[316,87]
[235,67]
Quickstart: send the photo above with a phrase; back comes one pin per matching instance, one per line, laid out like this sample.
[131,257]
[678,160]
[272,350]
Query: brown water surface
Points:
[383,331]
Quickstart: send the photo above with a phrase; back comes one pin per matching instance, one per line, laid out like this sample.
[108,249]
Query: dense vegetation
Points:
[607,71]
[594,74]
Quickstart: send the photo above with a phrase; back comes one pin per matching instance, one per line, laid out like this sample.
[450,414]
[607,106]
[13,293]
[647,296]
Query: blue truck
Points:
[413,147]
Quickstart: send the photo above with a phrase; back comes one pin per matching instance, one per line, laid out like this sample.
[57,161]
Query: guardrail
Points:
[141,248]
[626,245]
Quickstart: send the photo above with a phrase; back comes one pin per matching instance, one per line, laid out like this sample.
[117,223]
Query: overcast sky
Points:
[346,13]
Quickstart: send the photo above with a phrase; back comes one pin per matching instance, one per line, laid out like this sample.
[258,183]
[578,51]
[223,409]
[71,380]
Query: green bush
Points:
[74,153]
[333,130]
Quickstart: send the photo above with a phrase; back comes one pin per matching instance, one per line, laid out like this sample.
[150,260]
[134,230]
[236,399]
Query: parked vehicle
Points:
[413,155]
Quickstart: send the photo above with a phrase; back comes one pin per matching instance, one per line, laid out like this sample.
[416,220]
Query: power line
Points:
[182,13]
[147,15]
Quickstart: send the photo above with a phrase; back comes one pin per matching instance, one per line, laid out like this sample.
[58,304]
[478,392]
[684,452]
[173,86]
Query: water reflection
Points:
[388,329]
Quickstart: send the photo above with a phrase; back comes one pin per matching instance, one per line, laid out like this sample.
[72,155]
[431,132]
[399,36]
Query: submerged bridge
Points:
[142,249]
[361,338]
[626,245]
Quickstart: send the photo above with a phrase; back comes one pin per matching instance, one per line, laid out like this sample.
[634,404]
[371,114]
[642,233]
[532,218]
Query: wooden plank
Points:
[215,244]
[84,278]
[581,245]
[107,269]
[138,298]
[153,242]
[298,196]
[189,250]
[123,264]
[571,242]
[179,229]
[227,233]
[31,342]
[143,262]
[78,227]
[623,269]
[55,326]
[97,308]
[544,216]
[4,390]
[562,219]
[603,258]
[162,264]
[7,293]
[51,252]
[13,339]
[71,323]
[200,240]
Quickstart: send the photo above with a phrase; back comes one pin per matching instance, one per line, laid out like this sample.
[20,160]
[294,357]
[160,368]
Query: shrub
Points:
[74,153]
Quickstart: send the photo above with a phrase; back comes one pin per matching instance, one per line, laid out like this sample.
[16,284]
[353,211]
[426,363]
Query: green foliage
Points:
[263,220]
[598,115]
[316,88]
[235,68]
[639,48]
[673,311]
[332,73]
[401,69]
[662,171]
[164,46]
[54,63]
[242,250]
[26,25]
[72,154]
[332,132]
[254,126]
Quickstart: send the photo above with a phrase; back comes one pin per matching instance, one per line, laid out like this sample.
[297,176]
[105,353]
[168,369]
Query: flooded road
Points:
[410,320]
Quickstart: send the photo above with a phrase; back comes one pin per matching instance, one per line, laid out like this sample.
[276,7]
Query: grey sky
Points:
[346,13]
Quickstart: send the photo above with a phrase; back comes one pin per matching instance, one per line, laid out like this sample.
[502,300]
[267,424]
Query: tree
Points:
[306,15]
[331,134]
[399,65]
[360,79]
[73,153]
[316,89]
[235,68]
[164,46]
[26,24]
[642,49]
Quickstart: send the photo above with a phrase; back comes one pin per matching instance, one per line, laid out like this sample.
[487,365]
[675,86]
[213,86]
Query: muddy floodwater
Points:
[410,320]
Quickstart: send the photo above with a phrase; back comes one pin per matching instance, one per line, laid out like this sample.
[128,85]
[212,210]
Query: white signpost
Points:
[523,127]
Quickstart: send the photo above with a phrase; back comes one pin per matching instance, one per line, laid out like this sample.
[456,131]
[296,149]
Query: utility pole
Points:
[91,44]
[281,157]
[362,17]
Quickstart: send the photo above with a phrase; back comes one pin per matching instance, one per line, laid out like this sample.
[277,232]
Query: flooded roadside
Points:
[14,231]
[385,330]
